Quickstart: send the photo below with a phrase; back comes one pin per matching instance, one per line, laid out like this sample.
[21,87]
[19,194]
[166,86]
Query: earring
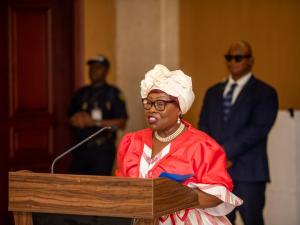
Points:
[178,120]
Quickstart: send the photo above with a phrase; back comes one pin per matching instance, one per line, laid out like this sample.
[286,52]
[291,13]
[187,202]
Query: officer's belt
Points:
[99,141]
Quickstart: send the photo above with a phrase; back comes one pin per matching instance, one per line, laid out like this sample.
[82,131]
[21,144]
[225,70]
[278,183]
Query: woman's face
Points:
[161,120]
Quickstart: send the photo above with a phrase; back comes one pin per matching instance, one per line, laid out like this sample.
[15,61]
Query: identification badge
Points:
[84,106]
[96,114]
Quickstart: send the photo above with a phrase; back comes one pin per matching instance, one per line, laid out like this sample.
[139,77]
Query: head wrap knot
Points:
[174,83]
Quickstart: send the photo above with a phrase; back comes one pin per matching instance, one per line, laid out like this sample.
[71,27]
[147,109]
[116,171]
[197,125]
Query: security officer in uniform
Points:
[93,107]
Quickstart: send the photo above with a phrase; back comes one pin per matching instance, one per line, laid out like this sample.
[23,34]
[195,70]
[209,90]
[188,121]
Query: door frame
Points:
[76,70]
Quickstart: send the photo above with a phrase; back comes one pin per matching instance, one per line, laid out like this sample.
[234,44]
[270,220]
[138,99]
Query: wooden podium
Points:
[143,199]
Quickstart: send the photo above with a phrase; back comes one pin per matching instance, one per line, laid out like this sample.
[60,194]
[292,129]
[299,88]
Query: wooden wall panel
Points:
[30,84]
[28,141]
[41,52]
[31,32]
[38,53]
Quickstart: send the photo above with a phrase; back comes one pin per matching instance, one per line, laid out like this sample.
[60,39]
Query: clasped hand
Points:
[82,119]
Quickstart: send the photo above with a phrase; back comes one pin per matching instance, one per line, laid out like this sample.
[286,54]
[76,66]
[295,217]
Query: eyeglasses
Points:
[237,58]
[159,105]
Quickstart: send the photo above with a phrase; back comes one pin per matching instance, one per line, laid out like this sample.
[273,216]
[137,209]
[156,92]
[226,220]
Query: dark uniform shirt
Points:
[108,99]
[97,155]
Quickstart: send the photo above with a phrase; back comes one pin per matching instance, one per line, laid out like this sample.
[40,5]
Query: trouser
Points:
[253,195]
[96,160]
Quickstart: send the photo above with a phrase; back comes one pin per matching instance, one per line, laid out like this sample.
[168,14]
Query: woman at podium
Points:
[172,146]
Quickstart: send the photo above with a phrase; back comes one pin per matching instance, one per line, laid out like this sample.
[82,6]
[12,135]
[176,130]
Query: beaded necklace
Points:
[171,136]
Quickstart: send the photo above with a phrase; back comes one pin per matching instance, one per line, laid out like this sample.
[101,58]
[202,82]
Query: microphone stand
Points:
[76,146]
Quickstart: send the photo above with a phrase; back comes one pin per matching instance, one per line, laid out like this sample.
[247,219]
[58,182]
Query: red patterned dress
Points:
[192,152]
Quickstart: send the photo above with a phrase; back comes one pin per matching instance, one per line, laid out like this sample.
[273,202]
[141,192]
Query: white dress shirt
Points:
[240,84]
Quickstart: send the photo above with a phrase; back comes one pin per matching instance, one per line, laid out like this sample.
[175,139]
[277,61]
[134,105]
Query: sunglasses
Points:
[237,58]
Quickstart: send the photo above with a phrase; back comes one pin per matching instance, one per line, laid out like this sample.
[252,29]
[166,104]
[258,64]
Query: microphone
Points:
[77,145]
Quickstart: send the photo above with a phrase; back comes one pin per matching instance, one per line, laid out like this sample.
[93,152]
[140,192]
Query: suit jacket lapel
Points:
[219,105]
[243,94]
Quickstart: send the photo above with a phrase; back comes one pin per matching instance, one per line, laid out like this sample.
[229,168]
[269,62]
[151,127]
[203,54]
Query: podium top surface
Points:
[97,195]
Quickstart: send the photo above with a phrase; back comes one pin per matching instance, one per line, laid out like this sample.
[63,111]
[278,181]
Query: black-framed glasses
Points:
[159,105]
[237,58]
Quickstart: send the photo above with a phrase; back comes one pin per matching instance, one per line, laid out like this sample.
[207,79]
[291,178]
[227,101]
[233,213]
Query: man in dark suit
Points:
[239,114]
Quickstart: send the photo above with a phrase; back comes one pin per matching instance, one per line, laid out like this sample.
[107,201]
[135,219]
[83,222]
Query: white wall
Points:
[283,193]
[146,34]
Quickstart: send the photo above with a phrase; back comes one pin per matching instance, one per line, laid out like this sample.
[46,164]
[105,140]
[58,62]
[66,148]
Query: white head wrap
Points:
[174,83]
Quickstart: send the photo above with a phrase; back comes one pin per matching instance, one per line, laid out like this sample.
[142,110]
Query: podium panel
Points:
[143,199]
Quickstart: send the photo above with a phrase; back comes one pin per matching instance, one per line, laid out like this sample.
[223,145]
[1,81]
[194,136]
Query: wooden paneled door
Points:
[37,78]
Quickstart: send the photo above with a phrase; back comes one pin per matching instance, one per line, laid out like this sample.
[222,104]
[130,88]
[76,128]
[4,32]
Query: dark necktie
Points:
[227,102]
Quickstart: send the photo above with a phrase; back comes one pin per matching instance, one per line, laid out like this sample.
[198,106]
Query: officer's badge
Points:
[121,97]
[108,105]
[84,106]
